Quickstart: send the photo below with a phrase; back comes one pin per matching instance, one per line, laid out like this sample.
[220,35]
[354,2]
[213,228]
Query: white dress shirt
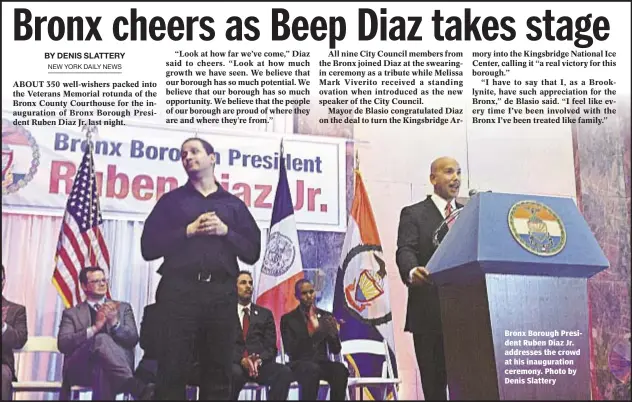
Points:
[94,303]
[440,203]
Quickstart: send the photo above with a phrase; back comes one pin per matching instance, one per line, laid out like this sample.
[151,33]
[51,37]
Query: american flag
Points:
[80,243]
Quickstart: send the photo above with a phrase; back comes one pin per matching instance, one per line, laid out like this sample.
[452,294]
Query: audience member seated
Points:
[14,336]
[147,369]
[97,338]
[148,366]
[255,352]
[308,332]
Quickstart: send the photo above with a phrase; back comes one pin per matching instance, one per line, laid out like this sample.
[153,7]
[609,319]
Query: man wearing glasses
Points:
[97,338]
[309,333]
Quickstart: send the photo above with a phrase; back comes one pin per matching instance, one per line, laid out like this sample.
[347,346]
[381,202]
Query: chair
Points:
[357,346]
[46,344]
[260,391]
[283,358]
[77,390]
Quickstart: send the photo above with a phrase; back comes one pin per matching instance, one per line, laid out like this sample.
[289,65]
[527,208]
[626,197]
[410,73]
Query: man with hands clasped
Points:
[200,230]
[255,350]
[207,224]
[97,338]
[414,249]
[309,333]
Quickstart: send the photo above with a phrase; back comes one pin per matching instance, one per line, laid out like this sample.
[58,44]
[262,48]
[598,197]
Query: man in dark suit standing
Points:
[97,338]
[414,249]
[14,336]
[308,332]
[255,350]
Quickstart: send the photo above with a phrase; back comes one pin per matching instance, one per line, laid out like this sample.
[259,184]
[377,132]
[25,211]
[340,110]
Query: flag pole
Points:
[89,130]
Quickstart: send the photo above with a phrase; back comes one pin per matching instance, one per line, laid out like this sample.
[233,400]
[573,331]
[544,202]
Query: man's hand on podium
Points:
[419,276]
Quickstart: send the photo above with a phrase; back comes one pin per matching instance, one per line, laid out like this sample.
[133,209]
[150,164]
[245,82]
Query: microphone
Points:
[452,216]
[474,191]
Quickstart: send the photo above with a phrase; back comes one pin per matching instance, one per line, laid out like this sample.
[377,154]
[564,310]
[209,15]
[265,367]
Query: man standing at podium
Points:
[414,249]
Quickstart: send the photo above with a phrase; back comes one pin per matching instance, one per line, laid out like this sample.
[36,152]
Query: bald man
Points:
[414,248]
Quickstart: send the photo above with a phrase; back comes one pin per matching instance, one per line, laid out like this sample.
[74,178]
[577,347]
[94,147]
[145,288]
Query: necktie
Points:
[93,313]
[246,325]
[448,211]
[310,324]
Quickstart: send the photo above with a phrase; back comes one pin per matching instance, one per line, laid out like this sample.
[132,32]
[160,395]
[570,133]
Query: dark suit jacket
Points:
[414,248]
[261,338]
[76,320]
[299,345]
[16,334]
[149,330]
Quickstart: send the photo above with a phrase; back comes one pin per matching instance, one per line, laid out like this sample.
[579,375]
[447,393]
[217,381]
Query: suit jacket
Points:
[417,224]
[76,320]
[16,335]
[149,330]
[261,337]
[299,345]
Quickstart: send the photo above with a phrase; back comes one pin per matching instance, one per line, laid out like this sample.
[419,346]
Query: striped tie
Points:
[448,211]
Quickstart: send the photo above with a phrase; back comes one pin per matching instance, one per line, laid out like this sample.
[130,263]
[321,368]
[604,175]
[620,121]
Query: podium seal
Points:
[537,228]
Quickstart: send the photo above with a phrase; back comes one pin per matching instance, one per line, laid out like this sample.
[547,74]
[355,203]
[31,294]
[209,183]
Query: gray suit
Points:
[105,362]
[14,337]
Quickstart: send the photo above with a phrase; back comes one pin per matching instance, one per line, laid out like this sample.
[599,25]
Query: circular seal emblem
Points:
[279,256]
[365,293]
[537,228]
[20,157]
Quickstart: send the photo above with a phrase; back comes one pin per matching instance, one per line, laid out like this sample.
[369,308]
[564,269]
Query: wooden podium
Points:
[512,275]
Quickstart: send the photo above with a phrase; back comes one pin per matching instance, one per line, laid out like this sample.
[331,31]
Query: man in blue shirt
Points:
[200,230]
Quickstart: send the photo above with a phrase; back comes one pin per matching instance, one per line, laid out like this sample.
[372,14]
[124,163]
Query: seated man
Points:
[255,351]
[307,333]
[14,336]
[97,338]
[147,369]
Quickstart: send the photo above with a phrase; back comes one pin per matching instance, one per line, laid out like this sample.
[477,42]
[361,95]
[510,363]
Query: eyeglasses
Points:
[98,281]
[308,292]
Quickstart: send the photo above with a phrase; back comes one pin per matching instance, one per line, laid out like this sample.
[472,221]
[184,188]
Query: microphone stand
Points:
[452,216]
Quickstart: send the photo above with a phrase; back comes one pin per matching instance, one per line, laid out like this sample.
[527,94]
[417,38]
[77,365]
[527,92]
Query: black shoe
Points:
[148,392]
[139,390]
